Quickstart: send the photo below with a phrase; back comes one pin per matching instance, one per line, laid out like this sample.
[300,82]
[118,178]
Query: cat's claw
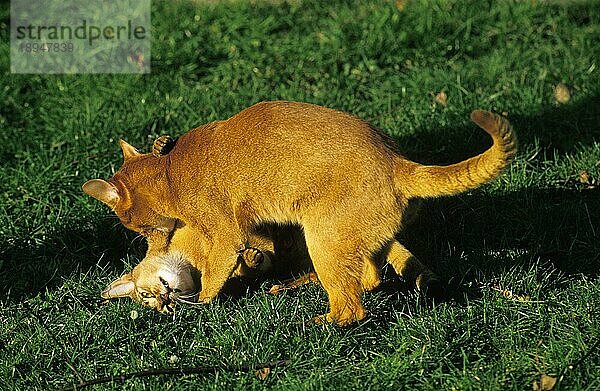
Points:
[252,257]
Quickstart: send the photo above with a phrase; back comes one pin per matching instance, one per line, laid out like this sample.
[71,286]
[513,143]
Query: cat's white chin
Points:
[179,276]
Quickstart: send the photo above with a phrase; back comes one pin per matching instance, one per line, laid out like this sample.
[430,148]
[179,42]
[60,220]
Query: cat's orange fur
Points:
[284,162]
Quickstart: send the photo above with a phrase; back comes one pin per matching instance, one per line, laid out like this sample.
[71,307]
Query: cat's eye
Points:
[146,295]
[164,282]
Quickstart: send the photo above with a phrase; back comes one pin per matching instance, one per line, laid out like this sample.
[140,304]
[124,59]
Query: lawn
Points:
[521,254]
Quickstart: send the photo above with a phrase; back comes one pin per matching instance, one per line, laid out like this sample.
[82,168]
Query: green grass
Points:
[534,232]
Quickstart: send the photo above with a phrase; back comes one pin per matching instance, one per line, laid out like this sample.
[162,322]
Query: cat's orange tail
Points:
[434,181]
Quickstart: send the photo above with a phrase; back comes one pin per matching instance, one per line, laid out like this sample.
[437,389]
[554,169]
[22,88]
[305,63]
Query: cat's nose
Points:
[166,303]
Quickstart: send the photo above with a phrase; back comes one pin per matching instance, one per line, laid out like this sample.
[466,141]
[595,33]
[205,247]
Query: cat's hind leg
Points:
[407,266]
[339,267]
[370,279]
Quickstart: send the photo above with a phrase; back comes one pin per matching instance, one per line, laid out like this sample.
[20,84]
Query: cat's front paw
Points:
[252,257]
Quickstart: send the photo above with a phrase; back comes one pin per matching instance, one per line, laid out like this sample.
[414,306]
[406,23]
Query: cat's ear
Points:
[121,287]
[102,191]
[129,151]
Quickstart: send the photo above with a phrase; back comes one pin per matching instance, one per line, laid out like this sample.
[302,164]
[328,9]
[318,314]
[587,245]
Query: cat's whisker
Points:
[180,300]
[188,296]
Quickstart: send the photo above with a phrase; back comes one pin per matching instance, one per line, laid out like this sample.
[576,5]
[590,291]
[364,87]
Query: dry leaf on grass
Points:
[586,180]
[262,373]
[441,98]
[546,383]
[507,293]
[562,93]
[401,4]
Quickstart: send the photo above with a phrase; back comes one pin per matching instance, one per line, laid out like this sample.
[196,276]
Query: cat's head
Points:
[158,281]
[130,193]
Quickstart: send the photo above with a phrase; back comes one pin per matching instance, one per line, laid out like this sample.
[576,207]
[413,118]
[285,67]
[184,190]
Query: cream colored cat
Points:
[162,279]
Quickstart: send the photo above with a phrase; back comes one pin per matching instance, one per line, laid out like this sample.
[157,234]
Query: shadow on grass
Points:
[552,226]
[558,226]
[31,267]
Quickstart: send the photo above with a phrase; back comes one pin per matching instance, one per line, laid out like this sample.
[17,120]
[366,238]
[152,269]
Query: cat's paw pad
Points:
[163,145]
[252,257]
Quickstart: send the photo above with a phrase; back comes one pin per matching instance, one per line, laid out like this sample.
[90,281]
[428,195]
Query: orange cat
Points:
[333,174]
[162,279]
